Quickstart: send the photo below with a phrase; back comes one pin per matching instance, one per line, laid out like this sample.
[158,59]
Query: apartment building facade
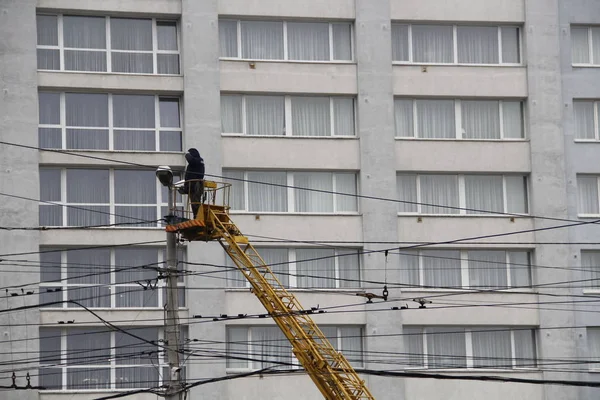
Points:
[459,136]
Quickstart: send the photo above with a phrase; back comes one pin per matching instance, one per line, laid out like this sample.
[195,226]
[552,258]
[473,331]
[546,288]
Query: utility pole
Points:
[174,389]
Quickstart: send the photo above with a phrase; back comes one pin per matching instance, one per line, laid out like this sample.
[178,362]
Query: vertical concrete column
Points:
[200,56]
[18,176]
[548,186]
[375,105]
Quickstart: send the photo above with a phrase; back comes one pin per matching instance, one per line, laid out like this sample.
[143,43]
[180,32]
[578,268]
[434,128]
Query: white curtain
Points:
[349,268]
[342,41]
[311,201]
[269,343]
[435,119]
[167,63]
[413,347]
[128,351]
[525,348]
[308,41]
[345,183]
[135,187]
[520,271]
[49,108]
[228,45]
[50,351]
[278,262]
[50,190]
[47,30]
[86,110]
[510,44]
[231,114]
[403,115]
[485,193]
[588,194]
[409,267]
[267,197]
[583,113]
[400,42]
[590,260]
[48,59]
[170,141]
[516,194]
[50,138]
[135,35]
[88,347]
[432,44]
[315,273]
[596,46]
[166,36]
[169,112]
[343,116]
[133,111]
[351,344]
[487,269]
[406,185]
[441,268]
[135,63]
[128,263]
[311,116]
[237,195]
[88,186]
[491,349]
[85,268]
[262,40]
[265,115]
[480,119]
[580,48]
[477,44]
[446,347]
[512,119]
[439,190]
[237,346]
[50,267]
[84,33]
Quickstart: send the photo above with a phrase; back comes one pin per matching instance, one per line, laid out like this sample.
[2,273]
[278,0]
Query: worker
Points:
[194,179]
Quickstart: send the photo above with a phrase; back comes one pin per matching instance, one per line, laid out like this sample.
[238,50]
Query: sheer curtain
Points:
[596,45]
[166,37]
[131,35]
[345,183]
[480,119]
[90,287]
[265,115]
[583,113]
[342,41]
[432,44]
[343,116]
[88,347]
[237,195]
[525,348]
[134,111]
[435,119]
[580,48]
[311,201]
[413,346]
[133,351]
[139,188]
[315,273]
[407,191]
[516,194]
[311,116]
[446,347]
[349,268]
[47,35]
[262,40]
[49,108]
[512,119]
[400,42]
[170,140]
[231,114]
[237,346]
[409,267]
[441,268]
[50,350]
[308,41]
[590,260]
[520,271]
[50,190]
[510,44]
[403,116]
[351,344]
[487,269]
[89,113]
[278,262]
[272,345]
[439,190]
[593,344]
[88,186]
[267,197]
[228,45]
[588,194]
[477,44]
[485,193]
[126,261]
[84,33]
[491,349]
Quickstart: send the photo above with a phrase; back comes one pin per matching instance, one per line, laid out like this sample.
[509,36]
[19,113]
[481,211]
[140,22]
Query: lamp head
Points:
[165,175]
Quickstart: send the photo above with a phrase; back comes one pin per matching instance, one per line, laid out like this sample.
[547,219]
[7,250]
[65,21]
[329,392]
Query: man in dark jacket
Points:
[194,178]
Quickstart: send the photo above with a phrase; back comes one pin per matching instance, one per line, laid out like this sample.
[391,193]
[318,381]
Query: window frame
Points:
[458,120]
[455,45]
[469,350]
[108,48]
[596,109]
[111,128]
[288,117]
[579,213]
[286,45]
[112,285]
[592,63]
[461,189]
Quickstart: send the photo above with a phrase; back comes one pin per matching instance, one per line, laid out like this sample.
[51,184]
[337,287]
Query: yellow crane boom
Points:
[328,368]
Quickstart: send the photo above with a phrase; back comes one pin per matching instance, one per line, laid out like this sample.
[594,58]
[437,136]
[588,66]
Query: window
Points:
[259,115]
[290,41]
[107,44]
[125,277]
[275,350]
[585,114]
[89,197]
[97,358]
[437,347]
[458,269]
[455,44]
[585,45]
[281,191]
[590,261]
[458,119]
[587,186]
[593,344]
[461,194]
[323,268]
[100,121]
